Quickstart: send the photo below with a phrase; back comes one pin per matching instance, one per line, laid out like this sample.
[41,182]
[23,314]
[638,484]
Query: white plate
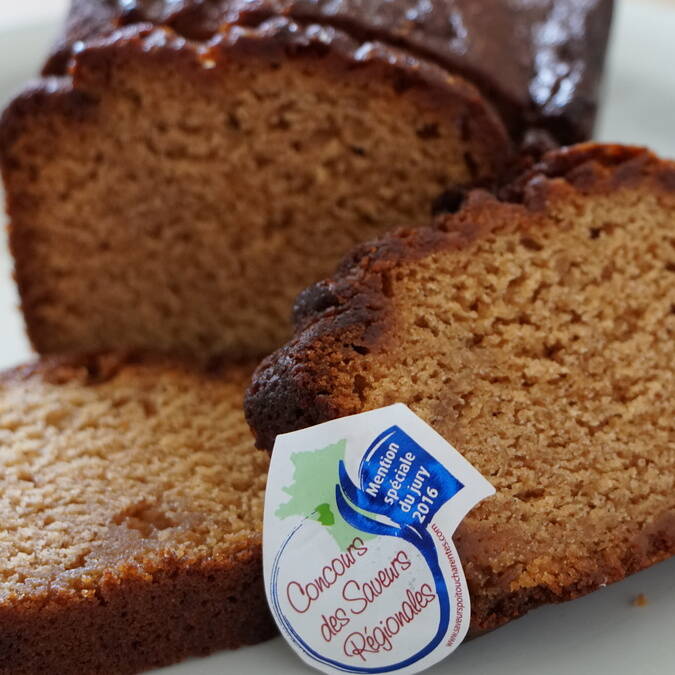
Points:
[600,634]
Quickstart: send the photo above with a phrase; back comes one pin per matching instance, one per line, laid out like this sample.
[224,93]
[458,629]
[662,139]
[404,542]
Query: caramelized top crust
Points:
[271,40]
[341,319]
[589,168]
[541,63]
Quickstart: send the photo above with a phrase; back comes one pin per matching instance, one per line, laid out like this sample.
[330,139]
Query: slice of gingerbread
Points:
[536,334]
[131,500]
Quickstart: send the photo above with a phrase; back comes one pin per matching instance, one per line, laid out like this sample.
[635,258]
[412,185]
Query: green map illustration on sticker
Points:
[312,493]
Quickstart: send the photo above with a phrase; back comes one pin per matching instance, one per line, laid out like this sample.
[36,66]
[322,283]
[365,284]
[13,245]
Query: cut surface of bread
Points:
[131,502]
[175,196]
[537,335]
[184,169]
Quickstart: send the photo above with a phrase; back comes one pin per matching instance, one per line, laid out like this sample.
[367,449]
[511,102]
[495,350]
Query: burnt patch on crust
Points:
[450,201]
[312,301]
[339,321]
[589,168]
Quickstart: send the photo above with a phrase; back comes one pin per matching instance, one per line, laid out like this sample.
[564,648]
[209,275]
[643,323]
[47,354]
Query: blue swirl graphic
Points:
[396,476]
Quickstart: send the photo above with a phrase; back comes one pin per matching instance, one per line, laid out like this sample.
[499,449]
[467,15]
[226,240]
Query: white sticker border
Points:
[352,428]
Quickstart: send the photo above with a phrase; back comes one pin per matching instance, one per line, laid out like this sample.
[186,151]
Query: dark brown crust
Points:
[138,619]
[560,47]
[591,168]
[274,40]
[141,616]
[86,20]
[310,381]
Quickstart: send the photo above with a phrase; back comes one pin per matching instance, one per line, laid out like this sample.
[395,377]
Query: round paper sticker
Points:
[360,570]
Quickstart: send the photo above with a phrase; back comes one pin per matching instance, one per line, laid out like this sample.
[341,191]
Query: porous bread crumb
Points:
[552,371]
[98,475]
[131,507]
[163,206]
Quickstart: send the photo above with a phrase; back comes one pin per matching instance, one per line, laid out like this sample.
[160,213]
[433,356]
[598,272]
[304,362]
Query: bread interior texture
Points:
[99,478]
[179,206]
[543,350]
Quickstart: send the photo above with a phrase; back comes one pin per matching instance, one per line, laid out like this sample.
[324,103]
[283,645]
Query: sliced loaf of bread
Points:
[537,335]
[131,501]
[185,169]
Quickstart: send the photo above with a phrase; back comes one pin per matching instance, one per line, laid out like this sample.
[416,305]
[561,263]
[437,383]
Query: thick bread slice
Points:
[175,196]
[131,504]
[538,336]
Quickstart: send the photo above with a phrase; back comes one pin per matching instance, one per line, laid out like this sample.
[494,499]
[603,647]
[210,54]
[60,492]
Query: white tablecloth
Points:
[15,13]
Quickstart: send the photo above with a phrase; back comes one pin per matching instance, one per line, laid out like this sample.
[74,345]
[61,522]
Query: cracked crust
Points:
[562,48]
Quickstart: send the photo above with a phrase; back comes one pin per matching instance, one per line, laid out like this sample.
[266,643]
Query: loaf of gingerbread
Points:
[183,169]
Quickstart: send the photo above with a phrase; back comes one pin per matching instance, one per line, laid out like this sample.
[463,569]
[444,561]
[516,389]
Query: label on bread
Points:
[360,570]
